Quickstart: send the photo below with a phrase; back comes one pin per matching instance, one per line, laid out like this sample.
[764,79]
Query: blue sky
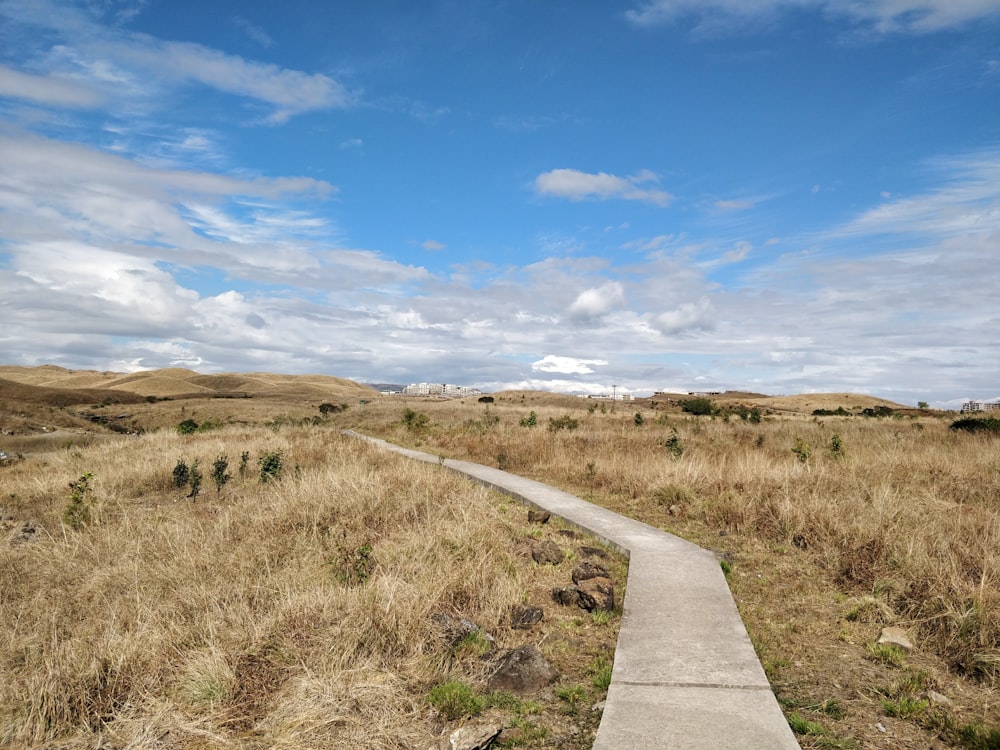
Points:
[784,196]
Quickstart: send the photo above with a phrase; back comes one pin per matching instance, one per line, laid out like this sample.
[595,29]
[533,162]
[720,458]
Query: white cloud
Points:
[50,90]
[914,16]
[433,245]
[566,365]
[690,316]
[577,186]
[592,303]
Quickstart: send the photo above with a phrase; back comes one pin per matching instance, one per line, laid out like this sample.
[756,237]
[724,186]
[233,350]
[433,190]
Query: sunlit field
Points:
[835,527]
[295,599]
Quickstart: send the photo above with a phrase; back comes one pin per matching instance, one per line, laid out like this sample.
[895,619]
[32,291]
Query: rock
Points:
[568,533]
[453,629]
[597,594]
[589,569]
[27,534]
[478,736]
[674,510]
[525,617]
[538,516]
[897,637]
[522,671]
[568,596]
[592,552]
[599,706]
[938,699]
[547,552]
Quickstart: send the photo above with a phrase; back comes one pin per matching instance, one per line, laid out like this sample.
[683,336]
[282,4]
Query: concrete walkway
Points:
[685,673]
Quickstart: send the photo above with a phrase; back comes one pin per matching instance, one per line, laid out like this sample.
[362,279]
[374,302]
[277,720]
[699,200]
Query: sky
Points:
[781,196]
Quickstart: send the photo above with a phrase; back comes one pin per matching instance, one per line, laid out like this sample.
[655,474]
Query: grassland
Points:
[233,620]
[835,527]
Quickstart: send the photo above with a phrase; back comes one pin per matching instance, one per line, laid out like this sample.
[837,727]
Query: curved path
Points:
[685,674]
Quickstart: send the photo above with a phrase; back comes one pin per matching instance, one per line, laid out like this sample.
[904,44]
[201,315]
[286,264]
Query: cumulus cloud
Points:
[567,365]
[690,316]
[884,16]
[592,303]
[577,186]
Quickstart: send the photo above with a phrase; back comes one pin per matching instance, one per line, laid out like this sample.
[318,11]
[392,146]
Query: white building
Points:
[970,406]
[445,390]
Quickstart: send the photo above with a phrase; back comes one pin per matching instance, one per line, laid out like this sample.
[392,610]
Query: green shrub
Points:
[187,427]
[181,474]
[802,450]
[220,474]
[270,466]
[698,406]
[414,420]
[195,480]
[529,421]
[455,700]
[78,510]
[673,444]
[987,425]
[565,422]
[638,419]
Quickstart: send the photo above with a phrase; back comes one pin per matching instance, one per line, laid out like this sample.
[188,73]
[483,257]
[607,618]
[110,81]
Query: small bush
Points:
[840,411]
[638,419]
[565,422]
[455,700]
[244,463]
[836,446]
[220,474]
[802,450]
[415,420]
[600,671]
[486,399]
[529,421]
[270,466]
[673,444]
[195,481]
[987,425]
[78,510]
[181,474]
[698,406]
[187,427]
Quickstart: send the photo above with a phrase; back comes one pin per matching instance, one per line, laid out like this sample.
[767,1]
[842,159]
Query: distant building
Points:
[443,390]
[971,406]
[612,397]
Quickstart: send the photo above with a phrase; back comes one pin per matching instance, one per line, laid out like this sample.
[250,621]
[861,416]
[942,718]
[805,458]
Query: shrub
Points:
[414,420]
[638,419]
[195,480]
[220,474]
[802,450]
[78,510]
[455,700]
[187,427]
[486,399]
[836,446]
[673,444]
[840,411]
[327,408]
[565,422]
[698,406]
[988,425]
[529,421]
[181,474]
[269,466]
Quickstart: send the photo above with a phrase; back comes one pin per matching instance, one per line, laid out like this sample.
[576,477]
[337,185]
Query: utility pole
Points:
[614,396]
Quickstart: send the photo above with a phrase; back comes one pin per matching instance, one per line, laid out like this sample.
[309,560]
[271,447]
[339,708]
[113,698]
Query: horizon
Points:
[779,197]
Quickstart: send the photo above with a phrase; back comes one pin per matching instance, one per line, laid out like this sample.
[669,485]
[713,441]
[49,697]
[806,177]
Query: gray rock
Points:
[525,617]
[547,553]
[478,736]
[938,699]
[592,552]
[897,637]
[522,671]
[453,629]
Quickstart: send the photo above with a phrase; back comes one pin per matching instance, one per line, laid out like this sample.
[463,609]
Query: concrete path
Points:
[685,673]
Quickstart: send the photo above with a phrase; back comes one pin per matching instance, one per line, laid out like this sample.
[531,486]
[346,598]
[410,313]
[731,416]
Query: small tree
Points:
[698,406]
[220,474]
[922,405]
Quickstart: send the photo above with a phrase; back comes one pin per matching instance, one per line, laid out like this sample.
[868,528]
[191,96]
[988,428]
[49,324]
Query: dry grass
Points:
[905,514]
[287,613]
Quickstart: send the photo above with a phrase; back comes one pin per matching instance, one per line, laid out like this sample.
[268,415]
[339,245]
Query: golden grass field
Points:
[221,622]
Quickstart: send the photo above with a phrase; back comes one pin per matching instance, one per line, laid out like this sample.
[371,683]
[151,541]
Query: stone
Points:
[586,551]
[538,516]
[568,596]
[28,533]
[589,569]
[453,629]
[522,671]
[478,736]
[524,617]
[547,553]
[938,699]
[897,637]
[597,594]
